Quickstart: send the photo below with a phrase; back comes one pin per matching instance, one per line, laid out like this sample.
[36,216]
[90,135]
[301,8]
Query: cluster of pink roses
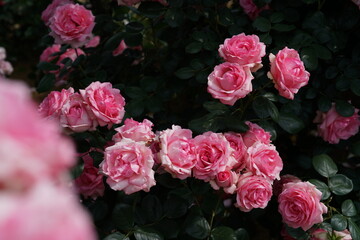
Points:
[5,66]
[97,104]
[34,160]
[245,164]
[231,80]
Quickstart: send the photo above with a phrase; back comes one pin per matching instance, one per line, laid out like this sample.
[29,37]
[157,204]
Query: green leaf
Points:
[290,123]
[123,216]
[46,66]
[175,207]
[116,236]
[354,229]
[277,17]
[297,233]
[344,108]
[280,27]
[135,92]
[133,39]
[322,187]
[338,222]
[262,24]
[174,17]
[322,52]
[135,107]
[348,208]
[242,234]
[355,86]
[215,107]
[223,233]
[309,57]
[263,108]
[46,83]
[197,226]
[147,234]
[331,72]
[194,47]
[324,103]
[152,207]
[355,148]
[185,73]
[114,41]
[324,165]
[340,184]
[134,27]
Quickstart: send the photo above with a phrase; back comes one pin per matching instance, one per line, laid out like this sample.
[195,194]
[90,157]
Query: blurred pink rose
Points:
[128,166]
[264,160]
[44,212]
[245,50]
[105,102]
[251,9]
[5,68]
[227,180]
[300,206]
[229,82]
[177,151]
[345,234]
[288,72]
[213,155]
[255,134]
[136,131]
[52,104]
[90,182]
[319,234]
[50,10]
[239,149]
[332,127]
[47,54]
[31,148]
[252,192]
[278,184]
[76,116]
[2,53]
[94,42]
[69,53]
[121,48]
[72,24]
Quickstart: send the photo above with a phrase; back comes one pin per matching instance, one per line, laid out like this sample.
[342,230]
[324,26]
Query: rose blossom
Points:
[44,212]
[255,134]
[239,149]
[105,102]
[319,234]
[251,9]
[76,116]
[51,106]
[90,183]
[177,154]
[245,50]
[333,127]
[72,24]
[345,234]
[48,54]
[288,72]
[121,48]
[128,166]
[50,10]
[213,155]
[229,82]
[300,206]
[252,192]
[94,42]
[136,131]
[278,184]
[264,160]
[227,180]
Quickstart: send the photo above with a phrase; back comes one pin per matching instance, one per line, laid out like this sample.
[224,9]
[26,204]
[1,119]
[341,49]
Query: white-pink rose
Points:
[345,234]
[229,82]
[263,160]
[177,151]
[227,180]
[128,166]
[52,104]
[288,72]
[105,102]
[136,131]
[245,50]
[333,127]
[239,149]
[76,116]
[50,10]
[213,155]
[300,206]
[252,192]
[72,24]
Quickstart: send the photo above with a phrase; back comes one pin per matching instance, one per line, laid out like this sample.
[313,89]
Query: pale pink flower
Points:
[255,134]
[94,42]
[5,68]
[2,53]
[239,149]
[136,131]
[227,180]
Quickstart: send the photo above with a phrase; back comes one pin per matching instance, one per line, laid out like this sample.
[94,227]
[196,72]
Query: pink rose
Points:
[252,192]
[229,82]
[239,149]
[177,151]
[31,149]
[213,155]
[90,183]
[278,184]
[48,54]
[251,9]
[121,48]
[72,24]
[105,102]
[136,131]
[44,212]
[255,134]
[300,206]
[288,72]
[332,127]
[345,234]
[76,116]
[52,104]
[227,180]
[94,42]
[245,50]
[264,160]
[319,234]
[128,166]
[50,10]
